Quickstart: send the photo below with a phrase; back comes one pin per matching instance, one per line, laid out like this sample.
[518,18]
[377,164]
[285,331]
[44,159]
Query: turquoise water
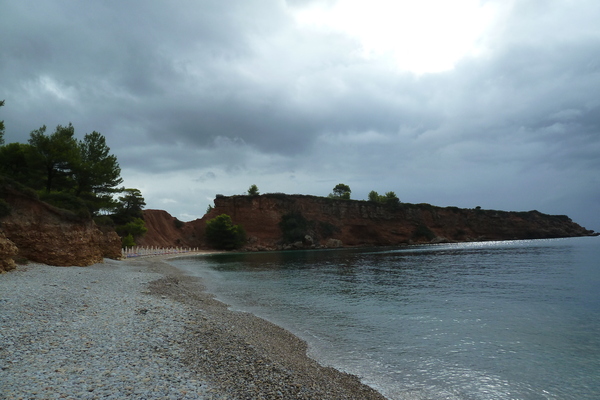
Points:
[488,320]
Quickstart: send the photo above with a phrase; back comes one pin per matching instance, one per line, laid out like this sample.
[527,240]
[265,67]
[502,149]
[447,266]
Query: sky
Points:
[454,103]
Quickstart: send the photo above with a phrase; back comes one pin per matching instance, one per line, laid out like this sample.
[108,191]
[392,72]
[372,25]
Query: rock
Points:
[333,243]
[7,251]
[308,240]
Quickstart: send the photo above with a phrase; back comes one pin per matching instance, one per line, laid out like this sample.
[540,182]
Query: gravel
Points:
[141,329]
[91,333]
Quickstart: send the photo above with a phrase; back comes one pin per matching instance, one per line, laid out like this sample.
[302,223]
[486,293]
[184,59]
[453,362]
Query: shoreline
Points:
[261,359]
[143,328]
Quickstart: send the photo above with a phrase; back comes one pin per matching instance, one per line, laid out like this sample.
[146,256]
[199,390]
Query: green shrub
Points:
[127,241]
[135,228]
[178,224]
[104,221]
[341,191]
[221,233]
[6,182]
[423,231]
[5,208]
[253,190]
[389,199]
[293,227]
[66,201]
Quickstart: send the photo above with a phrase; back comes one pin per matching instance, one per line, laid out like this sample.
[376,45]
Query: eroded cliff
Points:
[48,235]
[165,230]
[277,221]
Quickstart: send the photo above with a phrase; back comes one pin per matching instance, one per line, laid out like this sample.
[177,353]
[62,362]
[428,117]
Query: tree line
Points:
[342,191]
[80,175]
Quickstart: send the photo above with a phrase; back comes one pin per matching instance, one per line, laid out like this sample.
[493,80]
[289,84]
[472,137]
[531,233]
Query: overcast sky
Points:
[454,103]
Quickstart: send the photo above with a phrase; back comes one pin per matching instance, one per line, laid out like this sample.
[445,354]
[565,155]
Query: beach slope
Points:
[143,329]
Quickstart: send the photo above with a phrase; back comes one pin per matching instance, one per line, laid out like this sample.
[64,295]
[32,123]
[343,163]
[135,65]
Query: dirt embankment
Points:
[39,232]
[165,230]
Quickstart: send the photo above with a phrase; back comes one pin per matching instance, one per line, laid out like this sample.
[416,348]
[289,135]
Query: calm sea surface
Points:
[488,320]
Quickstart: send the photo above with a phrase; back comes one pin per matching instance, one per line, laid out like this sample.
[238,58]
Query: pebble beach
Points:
[141,329]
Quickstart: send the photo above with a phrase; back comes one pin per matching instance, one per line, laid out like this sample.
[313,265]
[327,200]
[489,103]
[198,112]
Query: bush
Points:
[389,199]
[253,190]
[4,208]
[423,231]
[104,221]
[341,191]
[66,201]
[135,228]
[374,196]
[294,227]
[6,182]
[221,233]
[127,241]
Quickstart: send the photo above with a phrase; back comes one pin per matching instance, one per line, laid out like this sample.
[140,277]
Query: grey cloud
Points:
[207,177]
[238,88]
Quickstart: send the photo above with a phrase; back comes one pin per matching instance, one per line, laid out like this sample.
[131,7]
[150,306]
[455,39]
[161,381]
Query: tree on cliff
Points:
[13,163]
[128,217]
[389,198]
[221,233]
[58,166]
[374,196]
[341,191]
[53,155]
[95,170]
[130,206]
[96,173]
[253,190]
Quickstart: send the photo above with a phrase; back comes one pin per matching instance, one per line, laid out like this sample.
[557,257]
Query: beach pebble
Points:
[96,333]
[90,333]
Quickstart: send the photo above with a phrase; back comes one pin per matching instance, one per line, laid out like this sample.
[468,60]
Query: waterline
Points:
[494,320]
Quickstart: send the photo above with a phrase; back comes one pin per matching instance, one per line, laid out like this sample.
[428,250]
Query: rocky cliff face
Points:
[324,221]
[45,234]
[310,221]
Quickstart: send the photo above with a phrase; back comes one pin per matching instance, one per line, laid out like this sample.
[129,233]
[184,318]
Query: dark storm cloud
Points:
[239,87]
[199,76]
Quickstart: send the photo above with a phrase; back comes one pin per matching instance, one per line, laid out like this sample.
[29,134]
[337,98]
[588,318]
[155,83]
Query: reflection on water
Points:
[493,320]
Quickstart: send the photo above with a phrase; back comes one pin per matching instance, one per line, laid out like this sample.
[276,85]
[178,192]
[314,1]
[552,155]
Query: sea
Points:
[469,321]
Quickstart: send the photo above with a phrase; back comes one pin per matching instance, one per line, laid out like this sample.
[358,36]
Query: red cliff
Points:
[275,221]
[39,232]
[165,230]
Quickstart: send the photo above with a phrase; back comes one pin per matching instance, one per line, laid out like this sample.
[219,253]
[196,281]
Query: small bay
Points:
[469,321]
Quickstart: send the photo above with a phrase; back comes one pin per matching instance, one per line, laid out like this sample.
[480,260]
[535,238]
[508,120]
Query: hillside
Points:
[34,230]
[312,221]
